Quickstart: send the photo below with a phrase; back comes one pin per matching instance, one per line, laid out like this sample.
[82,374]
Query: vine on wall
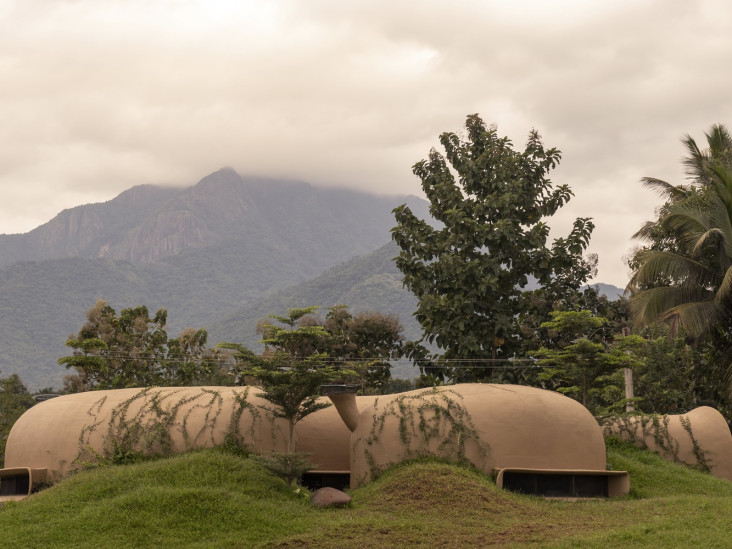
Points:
[431,419]
[158,415]
[637,429]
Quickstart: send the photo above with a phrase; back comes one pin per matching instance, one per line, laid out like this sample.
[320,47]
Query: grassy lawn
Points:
[209,499]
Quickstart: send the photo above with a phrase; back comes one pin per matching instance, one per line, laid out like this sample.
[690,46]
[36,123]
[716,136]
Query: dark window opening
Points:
[314,480]
[556,485]
[16,485]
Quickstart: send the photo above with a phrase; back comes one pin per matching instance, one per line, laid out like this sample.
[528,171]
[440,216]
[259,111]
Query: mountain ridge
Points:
[147,223]
[202,252]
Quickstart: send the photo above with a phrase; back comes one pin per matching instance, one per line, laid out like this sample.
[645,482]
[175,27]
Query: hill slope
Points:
[203,253]
[368,282]
[213,500]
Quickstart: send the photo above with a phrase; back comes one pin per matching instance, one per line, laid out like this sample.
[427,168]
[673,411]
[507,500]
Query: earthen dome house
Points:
[700,438]
[532,440]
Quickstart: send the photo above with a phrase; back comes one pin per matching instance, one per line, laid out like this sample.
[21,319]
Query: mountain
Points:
[368,282]
[218,255]
[146,223]
[203,253]
[613,293]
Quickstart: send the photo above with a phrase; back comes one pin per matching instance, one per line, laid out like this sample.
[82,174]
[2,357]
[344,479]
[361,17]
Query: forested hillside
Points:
[203,253]
[369,282]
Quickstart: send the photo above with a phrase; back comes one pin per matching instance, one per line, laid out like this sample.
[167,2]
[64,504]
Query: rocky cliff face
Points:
[148,223]
[91,230]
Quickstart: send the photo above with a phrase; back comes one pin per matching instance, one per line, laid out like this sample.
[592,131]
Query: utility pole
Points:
[628,375]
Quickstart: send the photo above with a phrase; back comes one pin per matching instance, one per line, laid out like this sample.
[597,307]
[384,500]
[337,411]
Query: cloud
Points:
[98,96]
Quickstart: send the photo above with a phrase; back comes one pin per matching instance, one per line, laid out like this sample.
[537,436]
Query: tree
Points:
[684,274]
[133,350]
[580,365]
[290,373]
[365,342]
[292,368]
[470,271]
[14,401]
[302,352]
[664,371]
[188,361]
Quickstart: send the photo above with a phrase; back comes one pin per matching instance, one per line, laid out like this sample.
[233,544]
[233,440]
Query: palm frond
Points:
[696,160]
[649,306]
[656,266]
[697,317]
[685,217]
[666,190]
[720,143]
[711,236]
[724,292]
[646,231]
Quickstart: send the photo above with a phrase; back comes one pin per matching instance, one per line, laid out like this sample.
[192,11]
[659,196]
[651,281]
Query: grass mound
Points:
[438,487]
[209,499]
[198,499]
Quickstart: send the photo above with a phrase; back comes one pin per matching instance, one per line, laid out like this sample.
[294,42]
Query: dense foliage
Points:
[133,350]
[361,344]
[14,401]
[580,364]
[470,271]
[683,273]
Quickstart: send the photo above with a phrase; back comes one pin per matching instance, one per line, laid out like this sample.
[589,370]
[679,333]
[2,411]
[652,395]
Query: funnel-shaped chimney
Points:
[343,398]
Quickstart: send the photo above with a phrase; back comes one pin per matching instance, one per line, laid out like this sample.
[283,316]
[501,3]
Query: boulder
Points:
[329,497]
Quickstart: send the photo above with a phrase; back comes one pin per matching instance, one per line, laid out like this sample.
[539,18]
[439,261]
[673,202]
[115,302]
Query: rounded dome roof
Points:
[502,426]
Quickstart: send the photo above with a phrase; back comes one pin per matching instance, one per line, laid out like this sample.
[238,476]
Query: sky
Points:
[99,96]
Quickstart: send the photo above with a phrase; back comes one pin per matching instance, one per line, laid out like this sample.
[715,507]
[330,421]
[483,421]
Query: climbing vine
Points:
[145,425]
[701,459]
[430,423]
[638,429]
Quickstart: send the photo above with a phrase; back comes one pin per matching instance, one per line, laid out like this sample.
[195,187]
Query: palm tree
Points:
[685,275]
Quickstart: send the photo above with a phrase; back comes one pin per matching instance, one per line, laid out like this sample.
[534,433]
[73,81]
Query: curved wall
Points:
[496,428]
[491,426]
[62,433]
[700,438]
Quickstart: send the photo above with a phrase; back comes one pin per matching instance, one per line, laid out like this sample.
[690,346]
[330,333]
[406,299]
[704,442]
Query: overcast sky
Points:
[99,95]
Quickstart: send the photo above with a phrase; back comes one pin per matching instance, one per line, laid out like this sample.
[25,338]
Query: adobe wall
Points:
[490,426]
[62,433]
[700,438]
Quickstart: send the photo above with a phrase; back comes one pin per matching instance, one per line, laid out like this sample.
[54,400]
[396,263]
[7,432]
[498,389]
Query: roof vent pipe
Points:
[343,398]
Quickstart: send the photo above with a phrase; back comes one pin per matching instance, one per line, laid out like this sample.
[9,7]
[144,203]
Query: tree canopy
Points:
[361,344]
[292,368]
[470,270]
[133,350]
[15,399]
[683,273]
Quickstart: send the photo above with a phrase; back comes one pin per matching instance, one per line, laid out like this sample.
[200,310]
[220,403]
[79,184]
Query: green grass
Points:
[209,499]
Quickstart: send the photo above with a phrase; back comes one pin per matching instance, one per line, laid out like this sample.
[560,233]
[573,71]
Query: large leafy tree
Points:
[683,274]
[357,346]
[132,349]
[471,268]
[579,363]
[365,342]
